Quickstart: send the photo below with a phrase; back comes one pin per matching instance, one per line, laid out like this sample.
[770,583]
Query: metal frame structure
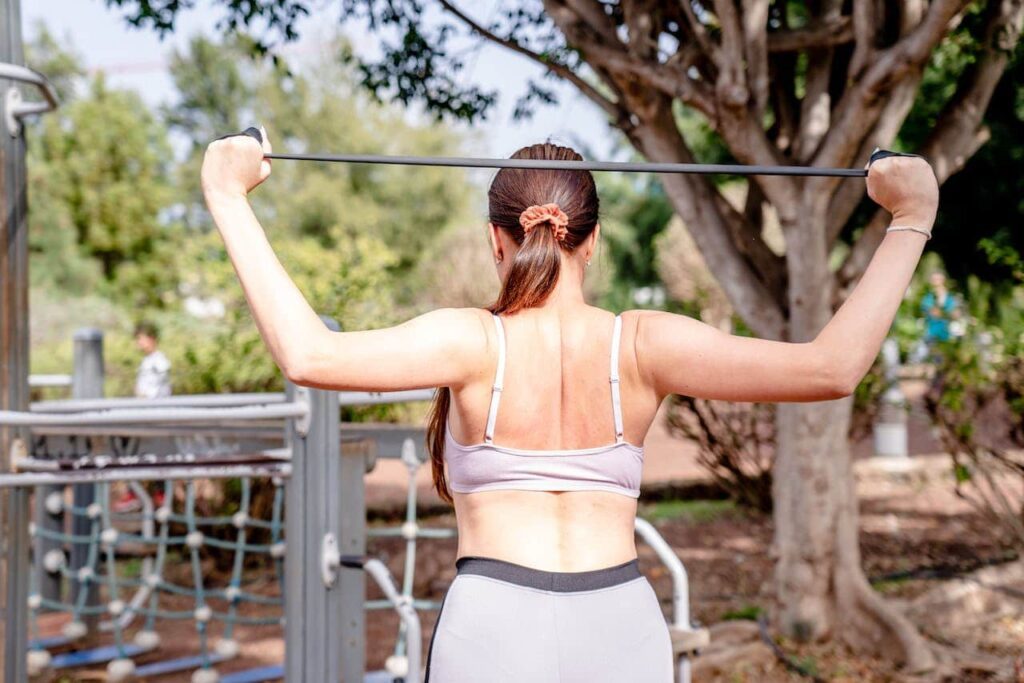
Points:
[326,533]
[15,108]
[15,510]
[324,495]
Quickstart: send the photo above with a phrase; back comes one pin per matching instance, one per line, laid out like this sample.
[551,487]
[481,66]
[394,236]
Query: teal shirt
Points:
[936,327]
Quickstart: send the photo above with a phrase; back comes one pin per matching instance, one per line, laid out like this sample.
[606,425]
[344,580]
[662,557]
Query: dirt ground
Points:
[906,523]
[910,520]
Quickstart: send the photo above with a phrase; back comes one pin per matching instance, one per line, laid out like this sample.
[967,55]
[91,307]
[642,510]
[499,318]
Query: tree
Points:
[818,83]
[351,238]
[98,179]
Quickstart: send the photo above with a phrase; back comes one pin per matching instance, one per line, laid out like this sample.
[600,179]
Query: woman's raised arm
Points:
[677,354]
[440,348]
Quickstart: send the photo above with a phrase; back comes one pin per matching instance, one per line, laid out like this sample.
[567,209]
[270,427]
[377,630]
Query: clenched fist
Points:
[235,165]
[905,187]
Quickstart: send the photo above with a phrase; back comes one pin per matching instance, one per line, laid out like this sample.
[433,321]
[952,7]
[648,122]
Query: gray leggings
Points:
[507,623]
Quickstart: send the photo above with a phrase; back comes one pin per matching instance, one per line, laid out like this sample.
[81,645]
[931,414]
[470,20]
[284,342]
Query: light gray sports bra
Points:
[489,467]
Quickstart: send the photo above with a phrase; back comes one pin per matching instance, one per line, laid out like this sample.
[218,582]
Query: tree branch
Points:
[694,199]
[755,32]
[865,29]
[672,79]
[859,107]
[639,18]
[745,232]
[816,107]
[700,32]
[847,194]
[592,13]
[561,70]
[959,132]
[731,86]
[821,34]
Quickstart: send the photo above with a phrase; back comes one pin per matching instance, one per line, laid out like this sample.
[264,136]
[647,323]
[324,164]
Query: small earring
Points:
[497,260]
[588,263]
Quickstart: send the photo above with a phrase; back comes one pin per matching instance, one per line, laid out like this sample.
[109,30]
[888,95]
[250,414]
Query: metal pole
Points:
[890,428]
[313,606]
[86,382]
[349,517]
[14,505]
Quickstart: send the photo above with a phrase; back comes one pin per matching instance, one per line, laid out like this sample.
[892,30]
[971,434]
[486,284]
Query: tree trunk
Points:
[819,588]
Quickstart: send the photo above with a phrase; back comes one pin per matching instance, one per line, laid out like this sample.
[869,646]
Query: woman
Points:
[547,585]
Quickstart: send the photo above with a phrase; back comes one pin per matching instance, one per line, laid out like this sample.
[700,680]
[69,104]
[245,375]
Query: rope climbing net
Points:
[130,594]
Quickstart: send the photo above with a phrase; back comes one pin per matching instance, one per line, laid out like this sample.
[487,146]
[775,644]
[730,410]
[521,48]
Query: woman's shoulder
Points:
[457,321]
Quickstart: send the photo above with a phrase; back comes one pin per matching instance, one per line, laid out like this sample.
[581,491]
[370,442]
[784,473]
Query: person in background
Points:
[152,380]
[941,317]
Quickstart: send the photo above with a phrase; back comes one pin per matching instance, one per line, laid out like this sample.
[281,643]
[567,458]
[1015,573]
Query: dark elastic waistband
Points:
[563,582]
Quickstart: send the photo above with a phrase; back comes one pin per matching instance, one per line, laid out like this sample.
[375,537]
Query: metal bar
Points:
[349,522]
[40,381]
[345,619]
[88,376]
[14,351]
[680,586]
[108,461]
[551,165]
[256,429]
[155,416]
[345,398]
[406,612]
[63,477]
[23,74]
[390,439]
[314,637]
[372,398]
[183,401]
[296,558]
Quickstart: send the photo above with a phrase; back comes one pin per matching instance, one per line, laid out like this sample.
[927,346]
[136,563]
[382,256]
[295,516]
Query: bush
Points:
[977,403]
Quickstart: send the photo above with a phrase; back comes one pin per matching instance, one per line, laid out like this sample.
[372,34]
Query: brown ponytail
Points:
[534,271]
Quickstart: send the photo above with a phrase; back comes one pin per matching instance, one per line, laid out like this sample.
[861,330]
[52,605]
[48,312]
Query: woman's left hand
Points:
[235,165]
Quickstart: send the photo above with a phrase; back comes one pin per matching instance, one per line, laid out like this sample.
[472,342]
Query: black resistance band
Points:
[551,165]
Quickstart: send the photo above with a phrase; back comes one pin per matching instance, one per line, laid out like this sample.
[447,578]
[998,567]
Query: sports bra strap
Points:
[499,378]
[614,379]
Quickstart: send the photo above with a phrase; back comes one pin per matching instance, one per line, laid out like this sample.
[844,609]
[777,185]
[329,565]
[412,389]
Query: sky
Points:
[137,58]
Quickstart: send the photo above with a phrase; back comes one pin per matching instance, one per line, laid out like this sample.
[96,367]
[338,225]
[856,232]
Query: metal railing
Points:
[46,381]
[15,108]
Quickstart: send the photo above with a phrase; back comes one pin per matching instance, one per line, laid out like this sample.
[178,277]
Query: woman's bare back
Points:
[555,396]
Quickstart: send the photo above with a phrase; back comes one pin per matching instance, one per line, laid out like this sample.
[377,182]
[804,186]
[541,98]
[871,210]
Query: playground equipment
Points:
[316,479]
[66,447]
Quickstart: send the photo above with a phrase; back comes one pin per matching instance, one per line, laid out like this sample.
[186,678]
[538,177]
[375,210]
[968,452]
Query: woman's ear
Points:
[496,250]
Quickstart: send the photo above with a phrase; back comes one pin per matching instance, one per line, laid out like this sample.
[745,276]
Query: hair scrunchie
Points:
[539,214]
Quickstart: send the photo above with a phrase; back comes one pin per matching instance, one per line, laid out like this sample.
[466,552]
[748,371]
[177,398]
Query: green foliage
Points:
[745,613]
[977,404]
[115,215]
[977,231]
[867,399]
[98,172]
[692,511]
[639,212]
[404,208]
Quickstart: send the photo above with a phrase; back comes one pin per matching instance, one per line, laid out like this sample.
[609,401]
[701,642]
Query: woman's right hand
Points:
[905,187]
[234,165]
